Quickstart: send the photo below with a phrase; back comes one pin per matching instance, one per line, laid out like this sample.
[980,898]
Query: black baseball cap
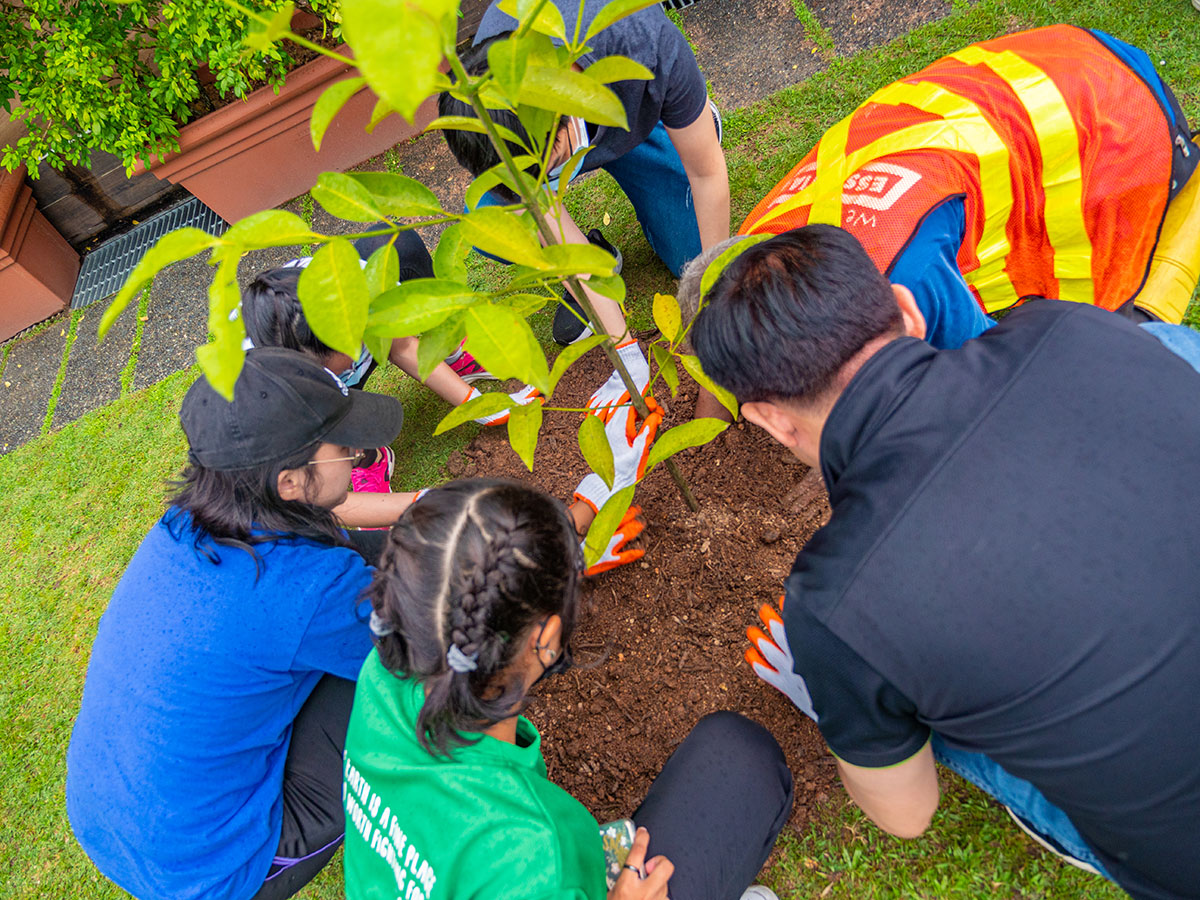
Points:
[283,401]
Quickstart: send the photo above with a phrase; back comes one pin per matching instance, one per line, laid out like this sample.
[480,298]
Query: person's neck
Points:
[504,730]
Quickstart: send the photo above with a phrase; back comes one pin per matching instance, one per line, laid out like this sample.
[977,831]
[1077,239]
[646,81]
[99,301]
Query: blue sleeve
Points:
[337,638]
[928,267]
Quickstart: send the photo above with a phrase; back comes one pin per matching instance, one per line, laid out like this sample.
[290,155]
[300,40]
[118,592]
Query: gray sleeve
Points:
[685,92]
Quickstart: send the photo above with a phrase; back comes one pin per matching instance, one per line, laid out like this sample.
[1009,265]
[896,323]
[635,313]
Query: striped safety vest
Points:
[1065,158]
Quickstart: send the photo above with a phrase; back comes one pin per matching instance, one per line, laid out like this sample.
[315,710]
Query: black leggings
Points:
[717,807]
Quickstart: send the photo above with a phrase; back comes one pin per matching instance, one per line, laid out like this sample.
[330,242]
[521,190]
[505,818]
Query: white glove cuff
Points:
[593,491]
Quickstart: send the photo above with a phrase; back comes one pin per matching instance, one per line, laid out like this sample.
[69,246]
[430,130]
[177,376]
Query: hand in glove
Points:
[630,441]
[771,659]
[610,394]
[615,553]
[527,394]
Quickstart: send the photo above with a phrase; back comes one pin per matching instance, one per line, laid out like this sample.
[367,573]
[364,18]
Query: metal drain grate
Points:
[104,269]
[677,4]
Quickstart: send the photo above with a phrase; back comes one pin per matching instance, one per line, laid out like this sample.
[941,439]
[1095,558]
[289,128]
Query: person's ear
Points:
[914,319]
[549,636]
[774,420]
[292,484]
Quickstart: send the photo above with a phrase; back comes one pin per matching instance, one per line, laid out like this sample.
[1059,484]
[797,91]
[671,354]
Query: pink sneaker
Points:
[466,368]
[375,479]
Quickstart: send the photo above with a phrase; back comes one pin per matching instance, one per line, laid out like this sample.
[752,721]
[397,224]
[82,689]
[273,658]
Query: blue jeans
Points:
[1179,339]
[652,177]
[1019,795]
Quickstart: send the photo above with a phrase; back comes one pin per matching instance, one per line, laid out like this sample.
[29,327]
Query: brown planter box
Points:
[257,153]
[38,268]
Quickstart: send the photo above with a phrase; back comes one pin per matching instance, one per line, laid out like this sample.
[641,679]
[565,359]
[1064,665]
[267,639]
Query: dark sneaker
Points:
[570,322]
[1048,843]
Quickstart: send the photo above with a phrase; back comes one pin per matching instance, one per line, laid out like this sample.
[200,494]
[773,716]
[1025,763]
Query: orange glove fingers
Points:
[769,614]
[754,658]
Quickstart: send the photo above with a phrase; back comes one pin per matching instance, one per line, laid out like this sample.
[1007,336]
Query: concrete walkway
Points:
[748,49]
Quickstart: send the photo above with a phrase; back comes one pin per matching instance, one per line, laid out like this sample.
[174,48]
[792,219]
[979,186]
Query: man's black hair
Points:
[273,315]
[474,151]
[787,314]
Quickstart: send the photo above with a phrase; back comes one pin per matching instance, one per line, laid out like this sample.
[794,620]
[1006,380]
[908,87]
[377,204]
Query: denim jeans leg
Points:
[1184,342]
[1019,795]
[653,178]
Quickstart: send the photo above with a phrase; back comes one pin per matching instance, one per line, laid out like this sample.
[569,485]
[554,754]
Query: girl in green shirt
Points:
[445,787]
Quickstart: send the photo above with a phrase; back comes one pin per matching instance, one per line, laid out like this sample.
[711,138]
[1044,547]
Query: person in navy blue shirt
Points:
[206,758]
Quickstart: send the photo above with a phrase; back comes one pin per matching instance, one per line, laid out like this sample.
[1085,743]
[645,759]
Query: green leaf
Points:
[667,316]
[222,358]
[413,307]
[502,234]
[693,367]
[437,343]
[618,68]
[569,355]
[380,347]
[490,177]
[597,453]
[573,94]
[524,305]
[333,292]
[689,434]
[506,60]
[398,195]
[398,47]
[612,287]
[666,364]
[504,344]
[585,259]
[483,405]
[728,255]
[270,228]
[605,525]
[470,123]
[450,255]
[379,112]
[344,197]
[382,270]
[260,36]
[329,104]
[548,21]
[524,423]
[171,248]
[614,12]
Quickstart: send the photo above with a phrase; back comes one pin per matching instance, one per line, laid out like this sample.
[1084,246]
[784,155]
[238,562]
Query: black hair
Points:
[787,314]
[242,507]
[273,315]
[474,151]
[474,565]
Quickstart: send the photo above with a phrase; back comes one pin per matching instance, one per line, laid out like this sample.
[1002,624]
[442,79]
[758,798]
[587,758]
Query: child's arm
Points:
[370,510]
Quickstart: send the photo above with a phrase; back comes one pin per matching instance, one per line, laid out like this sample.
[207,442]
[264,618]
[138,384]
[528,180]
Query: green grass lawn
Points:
[77,502]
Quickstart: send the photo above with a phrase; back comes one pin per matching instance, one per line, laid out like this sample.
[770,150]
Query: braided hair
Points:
[466,573]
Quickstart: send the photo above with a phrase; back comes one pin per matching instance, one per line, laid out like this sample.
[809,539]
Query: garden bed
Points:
[659,643]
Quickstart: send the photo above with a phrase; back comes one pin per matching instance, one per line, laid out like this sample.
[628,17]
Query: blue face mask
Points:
[578,137]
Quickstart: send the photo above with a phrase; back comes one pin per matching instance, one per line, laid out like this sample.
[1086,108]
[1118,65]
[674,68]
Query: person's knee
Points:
[745,740]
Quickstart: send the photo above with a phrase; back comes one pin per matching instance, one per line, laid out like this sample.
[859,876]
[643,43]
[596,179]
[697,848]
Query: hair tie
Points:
[459,661]
[378,626]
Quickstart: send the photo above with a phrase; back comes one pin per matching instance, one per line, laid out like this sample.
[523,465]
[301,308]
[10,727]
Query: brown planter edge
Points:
[257,153]
[38,268]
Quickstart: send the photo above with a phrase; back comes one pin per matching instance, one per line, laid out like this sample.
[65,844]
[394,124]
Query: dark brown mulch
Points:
[665,637]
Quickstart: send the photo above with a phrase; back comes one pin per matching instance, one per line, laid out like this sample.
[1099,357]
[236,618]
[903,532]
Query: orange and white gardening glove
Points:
[771,659]
[608,395]
[527,394]
[630,441]
[616,554]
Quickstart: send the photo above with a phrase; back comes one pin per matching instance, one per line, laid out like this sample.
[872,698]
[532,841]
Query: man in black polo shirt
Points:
[1009,581]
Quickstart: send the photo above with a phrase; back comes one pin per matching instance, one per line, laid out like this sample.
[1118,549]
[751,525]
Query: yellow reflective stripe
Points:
[1062,172]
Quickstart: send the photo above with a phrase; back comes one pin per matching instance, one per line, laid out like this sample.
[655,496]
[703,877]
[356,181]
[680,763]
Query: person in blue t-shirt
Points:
[206,758]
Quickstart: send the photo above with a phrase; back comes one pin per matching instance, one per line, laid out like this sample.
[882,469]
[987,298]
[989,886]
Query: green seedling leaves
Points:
[524,423]
[666,364]
[597,453]
[270,228]
[470,123]
[379,112]
[667,316]
[502,234]
[329,104]
[693,367]
[450,255]
[581,258]
[333,292]
[222,359]
[547,20]
[618,68]
[612,287]
[524,305]
[497,174]
[728,255]
[438,343]
[170,248]
[260,36]
[504,344]
[379,347]
[689,434]
[398,46]
[415,306]
[506,60]
[484,405]
[572,94]
[605,525]
[344,197]
[570,354]
[382,270]
[614,12]
[398,195]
